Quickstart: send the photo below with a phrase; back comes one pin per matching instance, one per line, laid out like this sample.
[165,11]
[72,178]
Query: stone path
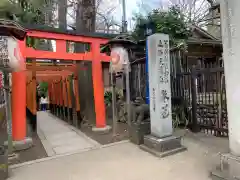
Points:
[59,138]
[121,161]
[116,161]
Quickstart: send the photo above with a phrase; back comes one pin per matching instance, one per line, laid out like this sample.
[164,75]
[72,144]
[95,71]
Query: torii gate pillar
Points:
[19,130]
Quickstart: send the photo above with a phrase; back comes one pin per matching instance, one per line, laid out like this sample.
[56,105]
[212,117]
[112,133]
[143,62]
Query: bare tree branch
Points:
[194,11]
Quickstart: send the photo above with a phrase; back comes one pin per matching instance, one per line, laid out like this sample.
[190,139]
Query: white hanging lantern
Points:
[119,59]
[10,54]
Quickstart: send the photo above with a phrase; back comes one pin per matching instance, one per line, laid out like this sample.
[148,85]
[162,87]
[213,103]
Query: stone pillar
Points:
[231,54]
[160,142]
[230,25]
[159,85]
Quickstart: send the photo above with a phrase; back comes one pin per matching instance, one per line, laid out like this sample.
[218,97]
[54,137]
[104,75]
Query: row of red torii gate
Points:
[62,78]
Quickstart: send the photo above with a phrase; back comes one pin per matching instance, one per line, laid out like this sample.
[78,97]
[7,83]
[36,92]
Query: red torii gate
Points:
[19,78]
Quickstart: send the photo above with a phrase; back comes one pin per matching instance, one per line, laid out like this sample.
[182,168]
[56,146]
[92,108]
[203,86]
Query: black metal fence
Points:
[138,80]
[210,102]
[202,95]
[198,91]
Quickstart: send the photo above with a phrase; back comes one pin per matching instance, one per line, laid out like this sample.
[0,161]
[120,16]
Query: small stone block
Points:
[162,147]
[103,130]
[138,131]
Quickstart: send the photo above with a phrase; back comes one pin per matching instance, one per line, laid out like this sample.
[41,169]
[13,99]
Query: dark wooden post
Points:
[194,125]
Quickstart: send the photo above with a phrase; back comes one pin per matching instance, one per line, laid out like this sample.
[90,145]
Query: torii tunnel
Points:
[63,79]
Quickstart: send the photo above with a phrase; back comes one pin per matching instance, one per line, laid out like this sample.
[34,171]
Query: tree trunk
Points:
[49,20]
[62,14]
[49,13]
[85,22]
[85,16]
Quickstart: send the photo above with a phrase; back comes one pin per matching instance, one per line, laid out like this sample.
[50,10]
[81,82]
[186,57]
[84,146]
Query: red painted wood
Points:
[98,87]
[63,55]
[19,106]
[38,54]
[49,35]
[61,46]
[19,100]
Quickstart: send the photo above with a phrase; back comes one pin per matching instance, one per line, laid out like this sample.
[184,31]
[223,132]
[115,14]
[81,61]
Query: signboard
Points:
[159,85]
[10,55]
[119,59]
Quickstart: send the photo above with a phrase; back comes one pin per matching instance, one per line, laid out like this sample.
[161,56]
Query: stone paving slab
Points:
[70,148]
[59,138]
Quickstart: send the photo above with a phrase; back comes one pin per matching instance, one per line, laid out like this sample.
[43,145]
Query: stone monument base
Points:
[138,131]
[21,145]
[228,169]
[162,147]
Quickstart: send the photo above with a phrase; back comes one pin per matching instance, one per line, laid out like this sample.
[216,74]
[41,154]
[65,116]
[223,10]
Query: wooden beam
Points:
[53,36]
[39,54]
[52,68]
[48,78]
[50,64]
